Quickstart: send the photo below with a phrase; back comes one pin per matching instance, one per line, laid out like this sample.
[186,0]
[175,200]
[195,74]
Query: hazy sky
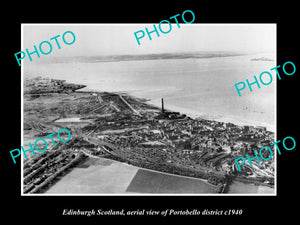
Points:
[108,39]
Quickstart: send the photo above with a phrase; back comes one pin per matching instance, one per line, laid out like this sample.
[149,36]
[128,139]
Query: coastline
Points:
[137,79]
[225,119]
[151,165]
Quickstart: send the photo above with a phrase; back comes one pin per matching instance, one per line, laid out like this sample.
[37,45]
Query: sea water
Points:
[197,87]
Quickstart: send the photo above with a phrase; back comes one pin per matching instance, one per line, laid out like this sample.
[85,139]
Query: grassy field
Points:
[95,177]
[152,182]
[104,176]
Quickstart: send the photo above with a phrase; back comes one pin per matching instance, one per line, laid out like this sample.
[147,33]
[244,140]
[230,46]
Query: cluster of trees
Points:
[215,180]
[219,188]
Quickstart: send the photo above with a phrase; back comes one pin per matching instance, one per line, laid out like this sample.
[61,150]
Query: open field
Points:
[146,181]
[104,176]
[95,177]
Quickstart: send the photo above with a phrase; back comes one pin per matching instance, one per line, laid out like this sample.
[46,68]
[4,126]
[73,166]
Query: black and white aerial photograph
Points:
[169,113]
[159,116]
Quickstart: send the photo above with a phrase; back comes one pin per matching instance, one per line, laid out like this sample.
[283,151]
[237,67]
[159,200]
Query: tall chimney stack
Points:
[162,105]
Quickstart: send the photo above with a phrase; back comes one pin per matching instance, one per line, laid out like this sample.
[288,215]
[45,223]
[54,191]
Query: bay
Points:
[197,87]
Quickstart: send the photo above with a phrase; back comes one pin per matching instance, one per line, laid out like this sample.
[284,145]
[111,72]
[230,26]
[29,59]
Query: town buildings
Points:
[127,129]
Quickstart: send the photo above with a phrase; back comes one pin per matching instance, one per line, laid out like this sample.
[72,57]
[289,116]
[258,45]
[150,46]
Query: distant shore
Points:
[157,56]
